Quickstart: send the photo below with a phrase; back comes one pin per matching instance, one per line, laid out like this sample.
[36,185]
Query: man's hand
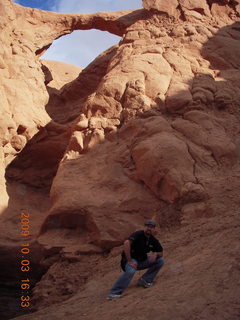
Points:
[152,259]
[133,264]
[154,256]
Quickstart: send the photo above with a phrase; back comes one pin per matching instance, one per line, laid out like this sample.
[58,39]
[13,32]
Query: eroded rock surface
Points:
[162,106]
[25,34]
[147,130]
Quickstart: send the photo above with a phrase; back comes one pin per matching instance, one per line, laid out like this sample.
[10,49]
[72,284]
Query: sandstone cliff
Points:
[150,129]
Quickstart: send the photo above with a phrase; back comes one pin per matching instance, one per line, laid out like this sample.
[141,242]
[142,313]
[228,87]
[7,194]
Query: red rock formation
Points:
[150,129]
[155,74]
[25,34]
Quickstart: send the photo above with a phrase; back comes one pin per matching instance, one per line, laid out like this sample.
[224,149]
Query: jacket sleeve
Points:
[157,247]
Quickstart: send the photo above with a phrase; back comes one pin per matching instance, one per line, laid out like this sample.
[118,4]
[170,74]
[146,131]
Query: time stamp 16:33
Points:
[25,259]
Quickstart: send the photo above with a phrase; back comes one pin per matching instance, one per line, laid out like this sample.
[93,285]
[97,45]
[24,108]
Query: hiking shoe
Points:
[112,296]
[143,283]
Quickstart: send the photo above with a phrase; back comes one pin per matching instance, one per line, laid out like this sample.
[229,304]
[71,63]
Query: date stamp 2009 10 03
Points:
[25,259]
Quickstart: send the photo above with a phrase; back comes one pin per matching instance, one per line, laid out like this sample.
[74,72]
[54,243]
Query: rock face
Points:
[25,34]
[169,7]
[155,123]
[142,132]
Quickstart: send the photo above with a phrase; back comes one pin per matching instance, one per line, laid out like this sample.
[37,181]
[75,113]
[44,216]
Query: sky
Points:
[81,47]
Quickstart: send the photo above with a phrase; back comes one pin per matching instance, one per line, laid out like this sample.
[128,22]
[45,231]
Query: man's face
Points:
[149,229]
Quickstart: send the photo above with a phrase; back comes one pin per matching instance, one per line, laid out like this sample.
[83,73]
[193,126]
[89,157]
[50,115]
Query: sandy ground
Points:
[200,279]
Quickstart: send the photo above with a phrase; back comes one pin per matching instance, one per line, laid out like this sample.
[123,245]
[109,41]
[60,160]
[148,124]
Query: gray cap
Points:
[150,223]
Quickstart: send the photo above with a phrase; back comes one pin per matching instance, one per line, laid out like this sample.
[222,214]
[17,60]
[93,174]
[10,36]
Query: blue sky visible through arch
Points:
[81,47]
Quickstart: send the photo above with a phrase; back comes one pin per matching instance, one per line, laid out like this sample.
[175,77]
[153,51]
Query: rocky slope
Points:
[150,129]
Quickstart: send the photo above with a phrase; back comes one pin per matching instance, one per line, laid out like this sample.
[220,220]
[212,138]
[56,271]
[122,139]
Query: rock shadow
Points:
[65,104]
[37,163]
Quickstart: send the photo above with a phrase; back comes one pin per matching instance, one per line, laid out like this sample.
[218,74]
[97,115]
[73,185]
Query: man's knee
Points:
[130,273]
[130,270]
[160,261]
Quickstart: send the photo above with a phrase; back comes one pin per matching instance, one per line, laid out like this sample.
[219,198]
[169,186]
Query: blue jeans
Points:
[123,281]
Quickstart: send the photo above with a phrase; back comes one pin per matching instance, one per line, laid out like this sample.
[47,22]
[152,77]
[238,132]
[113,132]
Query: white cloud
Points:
[86,6]
[82,47]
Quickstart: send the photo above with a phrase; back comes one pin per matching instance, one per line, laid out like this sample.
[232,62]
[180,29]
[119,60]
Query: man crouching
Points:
[134,257]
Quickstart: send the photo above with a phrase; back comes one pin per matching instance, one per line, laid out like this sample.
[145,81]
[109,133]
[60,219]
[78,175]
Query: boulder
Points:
[169,7]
